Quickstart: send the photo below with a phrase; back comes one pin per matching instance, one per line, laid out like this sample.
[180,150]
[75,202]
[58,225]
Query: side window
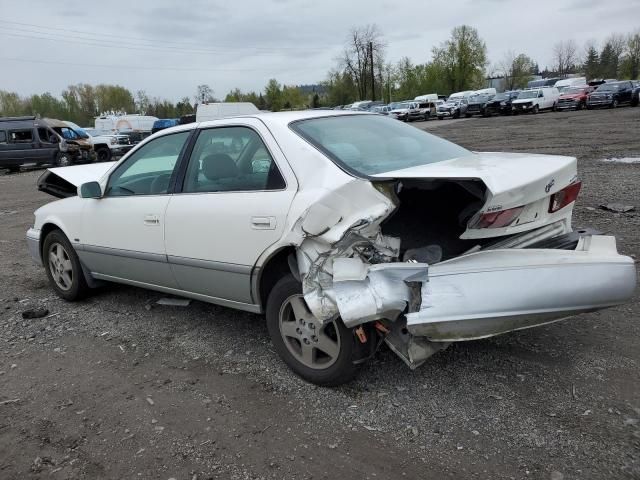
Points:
[228,159]
[45,135]
[148,171]
[21,136]
[3,136]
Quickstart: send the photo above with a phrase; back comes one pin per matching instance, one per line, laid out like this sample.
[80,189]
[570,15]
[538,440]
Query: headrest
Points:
[219,165]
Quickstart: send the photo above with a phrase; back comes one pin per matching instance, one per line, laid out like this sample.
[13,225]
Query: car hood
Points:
[513,179]
[523,100]
[571,96]
[63,182]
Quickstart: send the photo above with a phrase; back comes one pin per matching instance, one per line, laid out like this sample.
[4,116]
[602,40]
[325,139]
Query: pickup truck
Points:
[108,146]
[611,94]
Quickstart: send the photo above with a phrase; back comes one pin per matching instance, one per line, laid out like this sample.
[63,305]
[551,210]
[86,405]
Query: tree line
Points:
[361,72]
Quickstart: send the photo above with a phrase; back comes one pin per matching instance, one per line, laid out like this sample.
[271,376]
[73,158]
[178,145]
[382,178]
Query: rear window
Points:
[3,136]
[371,144]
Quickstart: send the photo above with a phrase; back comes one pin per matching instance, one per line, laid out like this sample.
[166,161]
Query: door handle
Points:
[151,220]
[263,223]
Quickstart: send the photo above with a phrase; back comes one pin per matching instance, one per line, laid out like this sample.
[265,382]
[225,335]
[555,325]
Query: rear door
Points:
[22,146]
[123,232]
[236,194]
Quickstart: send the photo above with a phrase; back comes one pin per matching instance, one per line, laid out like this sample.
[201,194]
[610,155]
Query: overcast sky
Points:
[169,47]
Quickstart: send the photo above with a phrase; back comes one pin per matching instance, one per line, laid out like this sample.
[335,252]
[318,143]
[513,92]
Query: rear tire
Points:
[301,340]
[63,267]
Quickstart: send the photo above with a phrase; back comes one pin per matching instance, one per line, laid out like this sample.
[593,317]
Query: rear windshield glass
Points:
[372,144]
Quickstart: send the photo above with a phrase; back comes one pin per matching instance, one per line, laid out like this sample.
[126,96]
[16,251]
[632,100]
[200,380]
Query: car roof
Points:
[284,118]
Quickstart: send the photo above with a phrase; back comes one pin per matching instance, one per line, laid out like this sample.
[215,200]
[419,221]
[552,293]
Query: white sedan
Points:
[348,230]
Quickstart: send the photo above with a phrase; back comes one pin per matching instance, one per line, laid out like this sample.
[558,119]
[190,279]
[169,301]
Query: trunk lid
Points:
[513,179]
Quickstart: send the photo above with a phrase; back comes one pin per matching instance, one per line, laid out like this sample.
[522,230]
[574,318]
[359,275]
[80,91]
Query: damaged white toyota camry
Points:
[347,230]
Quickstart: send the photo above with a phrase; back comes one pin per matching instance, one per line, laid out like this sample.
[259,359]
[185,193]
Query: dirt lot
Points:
[119,387]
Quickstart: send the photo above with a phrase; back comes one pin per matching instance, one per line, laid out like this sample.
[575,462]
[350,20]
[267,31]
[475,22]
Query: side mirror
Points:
[90,190]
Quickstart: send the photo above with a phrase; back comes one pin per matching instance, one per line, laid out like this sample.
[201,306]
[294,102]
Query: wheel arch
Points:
[266,276]
[50,226]
[46,229]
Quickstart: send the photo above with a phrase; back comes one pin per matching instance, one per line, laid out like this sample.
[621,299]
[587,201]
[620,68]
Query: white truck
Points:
[106,146]
[124,123]
[214,111]
[566,83]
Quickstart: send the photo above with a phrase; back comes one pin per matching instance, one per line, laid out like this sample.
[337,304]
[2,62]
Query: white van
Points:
[566,83]
[535,99]
[460,95]
[214,111]
[486,91]
[430,97]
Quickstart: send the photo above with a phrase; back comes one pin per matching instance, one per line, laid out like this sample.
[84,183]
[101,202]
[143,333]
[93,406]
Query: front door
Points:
[123,232]
[233,206]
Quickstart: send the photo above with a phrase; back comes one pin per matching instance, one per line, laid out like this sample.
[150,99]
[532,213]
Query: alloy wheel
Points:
[312,343]
[60,266]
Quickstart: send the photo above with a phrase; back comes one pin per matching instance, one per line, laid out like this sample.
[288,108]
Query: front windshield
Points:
[608,87]
[479,98]
[528,94]
[400,105]
[67,133]
[574,90]
[501,96]
[372,144]
[79,131]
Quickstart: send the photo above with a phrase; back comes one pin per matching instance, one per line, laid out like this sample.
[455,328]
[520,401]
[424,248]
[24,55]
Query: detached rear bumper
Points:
[493,292]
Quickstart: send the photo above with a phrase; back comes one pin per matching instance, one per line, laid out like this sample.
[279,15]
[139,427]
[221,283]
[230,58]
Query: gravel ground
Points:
[119,387]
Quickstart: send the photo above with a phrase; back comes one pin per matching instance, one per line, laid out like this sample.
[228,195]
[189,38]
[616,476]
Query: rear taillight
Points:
[499,219]
[564,197]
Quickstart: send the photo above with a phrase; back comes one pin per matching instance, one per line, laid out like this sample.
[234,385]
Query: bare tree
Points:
[565,56]
[363,44]
[204,93]
[633,54]
[516,69]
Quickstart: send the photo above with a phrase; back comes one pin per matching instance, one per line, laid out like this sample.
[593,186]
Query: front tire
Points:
[63,267]
[536,109]
[320,354]
[63,160]
[614,104]
[103,154]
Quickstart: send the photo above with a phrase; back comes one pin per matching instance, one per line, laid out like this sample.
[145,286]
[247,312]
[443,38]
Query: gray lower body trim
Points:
[206,278]
[248,307]
[33,244]
[117,252]
[209,264]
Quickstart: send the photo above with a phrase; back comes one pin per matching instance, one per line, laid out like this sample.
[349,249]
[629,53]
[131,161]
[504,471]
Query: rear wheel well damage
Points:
[276,267]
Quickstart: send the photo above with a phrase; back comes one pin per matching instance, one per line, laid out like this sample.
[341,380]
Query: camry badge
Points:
[549,186]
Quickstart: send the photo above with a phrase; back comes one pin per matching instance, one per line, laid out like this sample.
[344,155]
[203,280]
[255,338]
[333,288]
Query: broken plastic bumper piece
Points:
[488,293]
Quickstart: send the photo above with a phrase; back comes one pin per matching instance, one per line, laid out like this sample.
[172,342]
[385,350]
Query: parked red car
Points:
[574,98]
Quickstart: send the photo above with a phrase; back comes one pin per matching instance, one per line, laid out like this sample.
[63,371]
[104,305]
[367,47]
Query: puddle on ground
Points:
[622,160]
